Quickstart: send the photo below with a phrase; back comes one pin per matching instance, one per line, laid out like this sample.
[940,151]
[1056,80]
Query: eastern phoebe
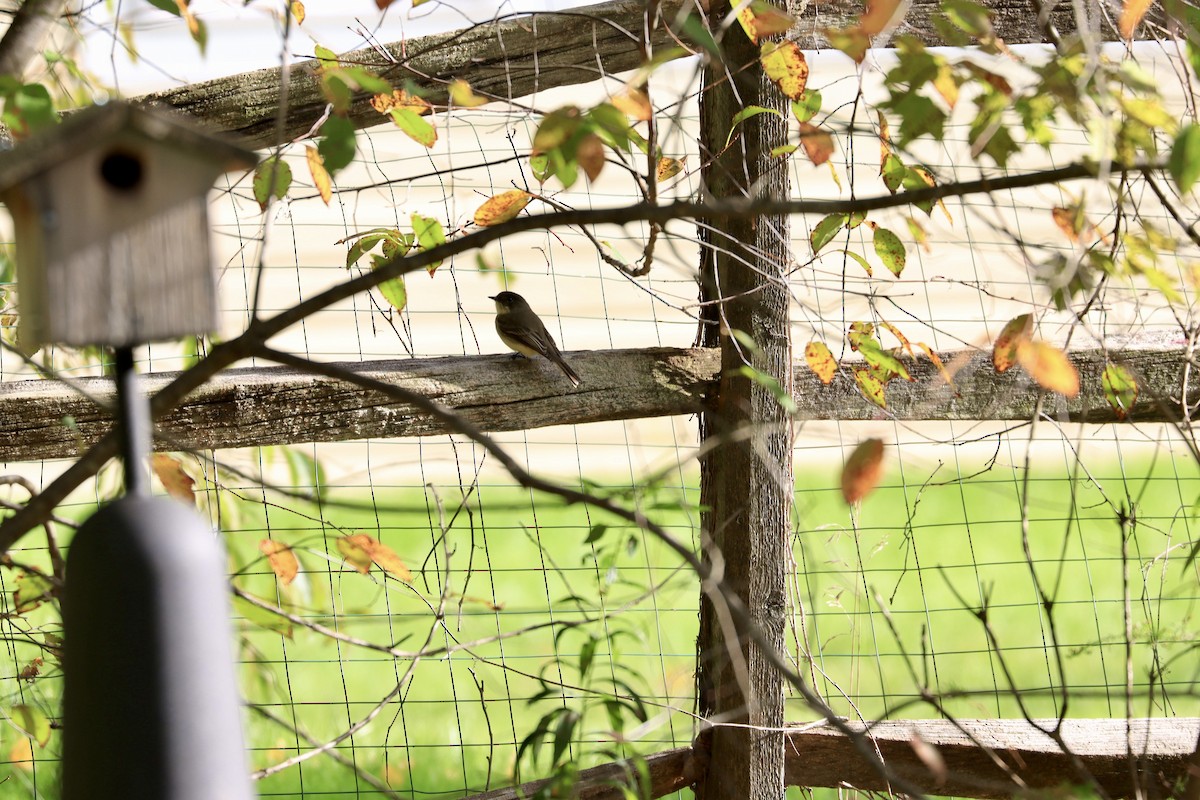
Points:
[523,331]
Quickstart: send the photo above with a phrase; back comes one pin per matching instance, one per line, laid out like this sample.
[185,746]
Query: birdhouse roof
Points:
[97,126]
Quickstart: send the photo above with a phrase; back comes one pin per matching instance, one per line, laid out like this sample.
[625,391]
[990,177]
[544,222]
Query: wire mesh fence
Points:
[413,623]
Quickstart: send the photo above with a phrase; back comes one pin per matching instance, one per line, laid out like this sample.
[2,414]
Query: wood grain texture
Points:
[1160,751]
[273,405]
[822,757]
[515,57]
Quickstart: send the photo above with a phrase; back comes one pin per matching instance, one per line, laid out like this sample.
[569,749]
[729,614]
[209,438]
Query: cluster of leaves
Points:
[393,243]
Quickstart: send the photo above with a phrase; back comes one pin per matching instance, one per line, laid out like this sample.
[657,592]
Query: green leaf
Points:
[261,617]
[611,124]
[886,364]
[870,386]
[366,80]
[539,165]
[429,235]
[564,733]
[395,292]
[414,126]
[327,57]
[586,655]
[771,383]
[596,533]
[807,106]
[1120,389]
[694,29]
[1184,162]
[272,178]
[33,108]
[33,722]
[556,128]
[893,172]
[826,229]
[862,262]
[337,145]
[745,114]
[890,250]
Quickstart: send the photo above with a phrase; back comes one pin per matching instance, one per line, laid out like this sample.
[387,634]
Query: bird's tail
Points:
[566,368]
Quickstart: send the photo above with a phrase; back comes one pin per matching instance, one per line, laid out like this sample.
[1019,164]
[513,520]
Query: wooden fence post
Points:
[746,482]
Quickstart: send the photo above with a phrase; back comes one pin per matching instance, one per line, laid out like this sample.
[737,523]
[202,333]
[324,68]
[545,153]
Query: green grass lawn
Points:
[507,564]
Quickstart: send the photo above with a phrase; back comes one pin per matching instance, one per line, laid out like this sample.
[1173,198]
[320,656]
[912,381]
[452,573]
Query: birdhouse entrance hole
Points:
[121,170]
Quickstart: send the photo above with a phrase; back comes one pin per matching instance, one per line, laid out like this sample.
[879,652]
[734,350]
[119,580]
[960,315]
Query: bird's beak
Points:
[491,297]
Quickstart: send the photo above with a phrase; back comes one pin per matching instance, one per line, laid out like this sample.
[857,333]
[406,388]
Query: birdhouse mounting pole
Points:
[133,415]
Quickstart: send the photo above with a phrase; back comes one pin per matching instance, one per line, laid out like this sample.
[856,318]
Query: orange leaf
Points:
[1004,351]
[320,175]
[1049,366]
[354,548]
[21,754]
[387,560]
[785,65]
[862,471]
[821,361]
[818,143]
[590,155]
[360,550]
[502,207]
[282,559]
[384,103]
[170,472]
[1067,221]
[633,103]
[937,362]
[1131,16]
[32,669]
[878,16]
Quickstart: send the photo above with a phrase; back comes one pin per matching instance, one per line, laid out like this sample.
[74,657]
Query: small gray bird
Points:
[522,330]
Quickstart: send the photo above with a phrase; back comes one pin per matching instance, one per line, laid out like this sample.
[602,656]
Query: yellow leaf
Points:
[818,143]
[633,103]
[668,168]
[900,337]
[760,19]
[821,361]
[297,9]
[21,754]
[462,96]
[169,472]
[945,84]
[1050,367]
[863,470]
[35,723]
[320,175]
[785,65]
[502,207]
[1131,16]
[1004,351]
[354,549]
[590,155]
[282,559]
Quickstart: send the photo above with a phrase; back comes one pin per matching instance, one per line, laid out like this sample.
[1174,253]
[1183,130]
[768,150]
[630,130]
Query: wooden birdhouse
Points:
[111,222]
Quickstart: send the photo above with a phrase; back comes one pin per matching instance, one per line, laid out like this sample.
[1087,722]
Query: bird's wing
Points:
[538,339]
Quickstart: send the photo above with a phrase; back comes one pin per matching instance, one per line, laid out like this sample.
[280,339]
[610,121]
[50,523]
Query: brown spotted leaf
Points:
[870,386]
[320,175]
[502,207]
[941,368]
[760,19]
[821,361]
[784,64]
[862,471]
